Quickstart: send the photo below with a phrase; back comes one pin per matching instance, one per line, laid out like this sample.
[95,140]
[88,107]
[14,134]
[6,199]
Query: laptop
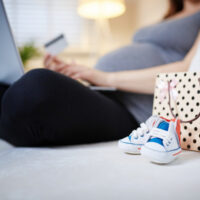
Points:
[11,67]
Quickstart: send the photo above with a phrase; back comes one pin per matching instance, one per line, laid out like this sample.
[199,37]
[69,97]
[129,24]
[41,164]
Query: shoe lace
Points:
[140,131]
[158,133]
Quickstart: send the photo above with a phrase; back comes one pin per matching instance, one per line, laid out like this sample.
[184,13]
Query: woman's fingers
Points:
[72,70]
[47,60]
[56,60]
[79,73]
[76,76]
[61,67]
[53,63]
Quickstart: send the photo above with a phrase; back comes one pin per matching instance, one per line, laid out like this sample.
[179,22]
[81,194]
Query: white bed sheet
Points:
[96,172]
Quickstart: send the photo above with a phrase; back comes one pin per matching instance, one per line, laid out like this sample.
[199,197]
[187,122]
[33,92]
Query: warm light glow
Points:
[101,9]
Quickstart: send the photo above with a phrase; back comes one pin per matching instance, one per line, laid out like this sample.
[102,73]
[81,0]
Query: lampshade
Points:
[101,9]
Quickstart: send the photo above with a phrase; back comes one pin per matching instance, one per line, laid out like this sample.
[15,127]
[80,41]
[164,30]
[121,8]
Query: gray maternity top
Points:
[163,43]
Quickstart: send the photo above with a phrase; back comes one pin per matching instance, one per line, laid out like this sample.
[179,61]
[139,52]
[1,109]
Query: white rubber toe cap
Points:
[125,140]
[155,146]
[129,147]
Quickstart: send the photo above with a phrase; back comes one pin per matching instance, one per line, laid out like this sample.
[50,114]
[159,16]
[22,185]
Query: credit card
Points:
[56,45]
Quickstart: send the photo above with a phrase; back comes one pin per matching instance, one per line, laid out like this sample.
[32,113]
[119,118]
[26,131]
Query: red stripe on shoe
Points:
[177,153]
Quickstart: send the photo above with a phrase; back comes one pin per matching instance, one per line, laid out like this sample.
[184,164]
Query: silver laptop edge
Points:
[11,67]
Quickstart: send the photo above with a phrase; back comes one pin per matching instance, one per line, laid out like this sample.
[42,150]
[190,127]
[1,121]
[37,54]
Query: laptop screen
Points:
[11,68]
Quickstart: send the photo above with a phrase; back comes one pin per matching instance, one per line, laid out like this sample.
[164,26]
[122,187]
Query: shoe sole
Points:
[160,157]
[129,148]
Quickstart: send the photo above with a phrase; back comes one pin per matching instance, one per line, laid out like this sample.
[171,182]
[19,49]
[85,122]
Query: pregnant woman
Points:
[49,107]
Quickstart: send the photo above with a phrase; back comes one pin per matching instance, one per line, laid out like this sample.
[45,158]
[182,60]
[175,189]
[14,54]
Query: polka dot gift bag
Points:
[177,95]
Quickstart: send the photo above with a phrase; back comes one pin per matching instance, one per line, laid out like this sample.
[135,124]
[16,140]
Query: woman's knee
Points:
[43,80]
[34,88]
[25,92]
[37,79]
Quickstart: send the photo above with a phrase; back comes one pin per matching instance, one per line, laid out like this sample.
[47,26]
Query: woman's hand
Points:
[53,63]
[76,72]
[90,75]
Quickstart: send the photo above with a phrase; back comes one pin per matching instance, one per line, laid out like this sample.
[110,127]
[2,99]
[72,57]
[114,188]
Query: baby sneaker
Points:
[163,145]
[132,144]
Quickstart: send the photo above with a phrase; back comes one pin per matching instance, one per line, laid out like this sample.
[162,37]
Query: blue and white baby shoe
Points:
[163,144]
[132,144]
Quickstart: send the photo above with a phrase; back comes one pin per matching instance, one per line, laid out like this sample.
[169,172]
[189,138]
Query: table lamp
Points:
[101,9]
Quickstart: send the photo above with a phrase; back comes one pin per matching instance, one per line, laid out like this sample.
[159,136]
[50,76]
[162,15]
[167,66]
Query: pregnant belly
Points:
[135,56]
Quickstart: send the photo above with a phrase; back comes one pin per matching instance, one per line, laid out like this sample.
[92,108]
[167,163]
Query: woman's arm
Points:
[142,81]
[139,81]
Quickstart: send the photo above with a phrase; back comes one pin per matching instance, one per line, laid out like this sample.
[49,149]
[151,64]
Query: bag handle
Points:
[170,107]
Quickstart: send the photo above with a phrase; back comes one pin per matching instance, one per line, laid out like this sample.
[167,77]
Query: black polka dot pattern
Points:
[186,106]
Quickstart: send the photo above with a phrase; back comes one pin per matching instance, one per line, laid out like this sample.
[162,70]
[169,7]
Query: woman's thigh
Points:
[47,108]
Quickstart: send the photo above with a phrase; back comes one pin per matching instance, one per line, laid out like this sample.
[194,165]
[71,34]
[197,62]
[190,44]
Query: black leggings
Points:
[45,108]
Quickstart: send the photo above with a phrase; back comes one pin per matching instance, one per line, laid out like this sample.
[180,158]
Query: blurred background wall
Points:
[38,21]
[139,13]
